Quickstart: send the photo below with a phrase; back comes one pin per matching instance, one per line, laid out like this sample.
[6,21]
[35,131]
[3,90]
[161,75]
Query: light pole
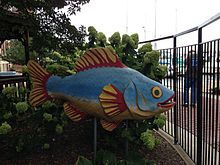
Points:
[176,20]
[126,16]
[155,23]
[144,27]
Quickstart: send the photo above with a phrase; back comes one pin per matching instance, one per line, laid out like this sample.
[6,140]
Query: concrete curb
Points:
[178,148]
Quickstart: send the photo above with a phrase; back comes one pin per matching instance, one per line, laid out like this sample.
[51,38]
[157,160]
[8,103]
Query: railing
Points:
[195,128]
[16,81]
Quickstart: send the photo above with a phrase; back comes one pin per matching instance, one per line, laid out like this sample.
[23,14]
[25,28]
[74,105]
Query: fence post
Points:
[199,98]
[175,91]
[95,138]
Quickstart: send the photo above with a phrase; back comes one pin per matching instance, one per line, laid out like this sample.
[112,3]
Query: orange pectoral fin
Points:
[112,101]
[73,113]
[109,126]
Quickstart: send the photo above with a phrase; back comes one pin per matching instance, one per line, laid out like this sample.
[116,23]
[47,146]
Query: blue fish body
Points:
[89,84]
[107,89]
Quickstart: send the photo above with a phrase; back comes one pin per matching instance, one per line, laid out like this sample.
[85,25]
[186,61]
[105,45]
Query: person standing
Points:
[190,78]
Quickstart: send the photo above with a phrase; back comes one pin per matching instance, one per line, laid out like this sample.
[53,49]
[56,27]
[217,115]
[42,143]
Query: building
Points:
[4,65]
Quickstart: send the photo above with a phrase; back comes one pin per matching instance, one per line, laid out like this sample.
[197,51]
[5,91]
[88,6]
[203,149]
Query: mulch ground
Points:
[75,141]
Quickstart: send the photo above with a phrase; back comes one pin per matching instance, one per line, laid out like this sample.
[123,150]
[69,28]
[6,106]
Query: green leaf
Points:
[5,128]
[135,158]
[106,158]
[83,161]
[21,107]
[148,139]
[59,129]
[122,162]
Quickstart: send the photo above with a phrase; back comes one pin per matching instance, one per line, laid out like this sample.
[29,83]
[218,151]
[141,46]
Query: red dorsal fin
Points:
[98,57]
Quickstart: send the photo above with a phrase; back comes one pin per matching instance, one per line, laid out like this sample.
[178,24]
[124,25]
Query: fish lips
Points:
[167,104]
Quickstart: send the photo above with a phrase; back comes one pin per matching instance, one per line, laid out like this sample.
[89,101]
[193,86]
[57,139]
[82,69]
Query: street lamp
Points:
[155,23]
[126,16]
[144,27]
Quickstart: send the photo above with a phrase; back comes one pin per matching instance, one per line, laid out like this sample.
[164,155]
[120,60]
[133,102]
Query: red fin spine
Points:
[39,79]
[109,126]
[112,101]
[73,113]
[98,57]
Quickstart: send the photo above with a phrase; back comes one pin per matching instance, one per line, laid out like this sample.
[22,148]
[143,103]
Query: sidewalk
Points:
[187,119]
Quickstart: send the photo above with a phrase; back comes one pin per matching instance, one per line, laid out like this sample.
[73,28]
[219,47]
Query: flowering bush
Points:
[5,128]
[26,128]
[21,107]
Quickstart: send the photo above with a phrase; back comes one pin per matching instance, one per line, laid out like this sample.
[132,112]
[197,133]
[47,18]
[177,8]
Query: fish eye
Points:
[156,92]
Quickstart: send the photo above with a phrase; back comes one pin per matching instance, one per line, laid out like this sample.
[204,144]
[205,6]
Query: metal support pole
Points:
[199,98]
[95,139]
[126,141]
[26,47]
[175,91]
[27,56]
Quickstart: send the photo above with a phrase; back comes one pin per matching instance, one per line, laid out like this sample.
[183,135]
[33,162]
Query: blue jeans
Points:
[190,83]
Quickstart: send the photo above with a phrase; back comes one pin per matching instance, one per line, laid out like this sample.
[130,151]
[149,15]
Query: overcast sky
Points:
[138,16]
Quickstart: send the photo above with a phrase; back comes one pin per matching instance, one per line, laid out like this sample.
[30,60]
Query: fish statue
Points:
[103,87]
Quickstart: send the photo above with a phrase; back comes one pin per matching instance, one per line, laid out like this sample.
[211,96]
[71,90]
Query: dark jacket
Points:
[191,64]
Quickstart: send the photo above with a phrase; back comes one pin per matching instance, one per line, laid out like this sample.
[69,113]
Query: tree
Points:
[15,54]
[115,40]
[92,36]
[49,27]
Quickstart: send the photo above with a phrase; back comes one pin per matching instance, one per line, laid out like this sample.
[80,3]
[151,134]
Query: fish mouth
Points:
[168,104]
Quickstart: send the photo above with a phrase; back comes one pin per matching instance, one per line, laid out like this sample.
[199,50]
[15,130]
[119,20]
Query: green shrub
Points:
[83,161]
[7,115]
[21,107]
[105,157]
[58,70]
[148,139]
[59,129]
[48,117]
[32,127]
[5,128]
[20,145]
[46,146]
[10,91]
[160,120]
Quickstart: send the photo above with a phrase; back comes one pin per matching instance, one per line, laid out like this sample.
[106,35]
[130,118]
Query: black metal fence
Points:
[16,81]
[193,73]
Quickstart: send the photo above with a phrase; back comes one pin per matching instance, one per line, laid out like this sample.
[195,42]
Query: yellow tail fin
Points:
[39,78]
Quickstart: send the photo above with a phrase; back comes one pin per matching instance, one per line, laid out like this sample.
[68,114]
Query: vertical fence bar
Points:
[209,101]
[206,103]
[217,136]
[182,96]
[171,85]
[186,108]
[199,98]
[213,100]
[179,90]
[195,117]
[175,91]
